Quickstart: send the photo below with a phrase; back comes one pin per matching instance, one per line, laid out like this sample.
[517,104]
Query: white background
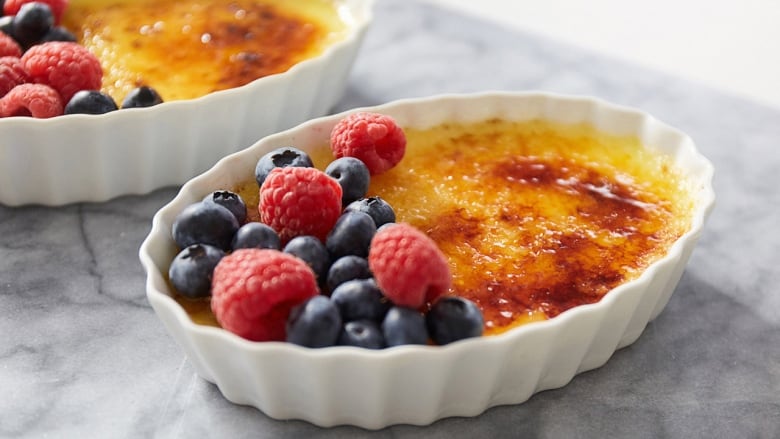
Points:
[733,46]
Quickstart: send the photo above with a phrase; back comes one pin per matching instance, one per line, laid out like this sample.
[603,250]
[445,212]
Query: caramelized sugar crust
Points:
[189,48]
[535,218]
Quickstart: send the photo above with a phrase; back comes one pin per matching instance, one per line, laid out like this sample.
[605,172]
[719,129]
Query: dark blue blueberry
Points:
[256,235]
[7,25]
[377,208]
[143,96]
[404,326]
[311,250]
[192,269]
[351,235]
[58,33]
[32,22]
[347,268]
[230,200]
[361,333]
[205,223]
[280,158]
[315,323]
[90,102]
[454,318]
[360,299]
[353,177]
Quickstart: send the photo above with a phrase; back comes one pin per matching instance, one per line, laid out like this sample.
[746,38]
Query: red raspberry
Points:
[11,7]
[408,266]
[65,66]
[36,100]
[297,201]
[11,73]
[373,138]
[253,291]
[9,46]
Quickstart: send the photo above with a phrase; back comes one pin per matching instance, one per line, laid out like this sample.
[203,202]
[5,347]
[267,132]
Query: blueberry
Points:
[360,299]
[32,22]
[454,318]
[311,250]
[280,158]
[351,235]
[205,223]
[353,177]
[361,333]
[404,326]
[256,235]
[315,323]
[377,208]
[143,96]
[58,33]
[347,268]
[90,102]
[7,25]
[192,269]
[230,200]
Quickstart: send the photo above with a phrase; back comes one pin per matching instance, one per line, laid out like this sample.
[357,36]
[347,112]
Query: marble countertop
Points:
[83,354]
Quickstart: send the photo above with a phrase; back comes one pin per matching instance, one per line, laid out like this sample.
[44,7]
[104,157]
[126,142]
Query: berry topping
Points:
[377,208]
[254,290]
[90,102]
[360,299]
[192,269]
[229,200]
[454,318]
[9,46]
[404,326]
[313,252]
[143,96]
[361,333]
[36,100]
[57,7]
[345,269]
[280,158]
[65,66]
[316,323]
[352,175]
[205,223]
[32,22]
[408,266]
[256,235]
[373,138]
[11,73]
[58,33]
[351,235]
[300,201]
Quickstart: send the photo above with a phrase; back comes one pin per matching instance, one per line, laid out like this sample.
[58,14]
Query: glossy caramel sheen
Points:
[188,48]
[535,218]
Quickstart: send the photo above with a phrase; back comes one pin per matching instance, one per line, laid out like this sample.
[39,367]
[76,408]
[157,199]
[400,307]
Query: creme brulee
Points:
[534,217]
[188,48]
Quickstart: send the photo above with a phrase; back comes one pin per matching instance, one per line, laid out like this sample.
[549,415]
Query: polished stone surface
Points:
[83,355]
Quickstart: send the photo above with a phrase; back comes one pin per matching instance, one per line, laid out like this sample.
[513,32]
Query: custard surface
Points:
[189,48]
[534,217]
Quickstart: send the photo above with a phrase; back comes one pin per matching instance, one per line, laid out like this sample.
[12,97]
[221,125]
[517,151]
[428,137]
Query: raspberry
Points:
[36,100]
[11,73]
[9,46]
[65,66]
[408,266]
[297,201]
[254,290]
[373,138]
[11,7]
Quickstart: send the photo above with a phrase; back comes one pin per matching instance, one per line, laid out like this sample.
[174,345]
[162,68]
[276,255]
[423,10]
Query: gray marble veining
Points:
[83,355]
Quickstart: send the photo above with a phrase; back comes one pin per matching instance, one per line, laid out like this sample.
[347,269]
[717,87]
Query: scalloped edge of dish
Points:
[90,158]
[374,389]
